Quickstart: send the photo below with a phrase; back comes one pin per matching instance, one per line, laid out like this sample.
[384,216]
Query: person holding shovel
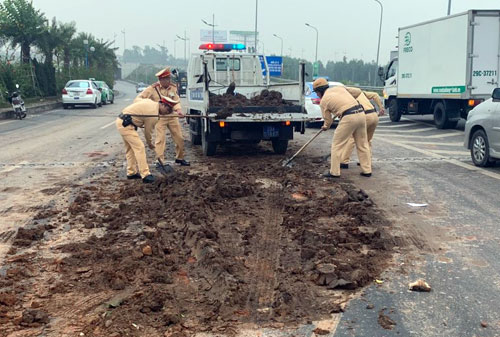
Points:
[337,101]
[165,87]
[141,114]
[364,98]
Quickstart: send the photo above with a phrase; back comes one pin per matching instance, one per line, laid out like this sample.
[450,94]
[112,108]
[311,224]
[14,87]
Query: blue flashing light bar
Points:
[222,46]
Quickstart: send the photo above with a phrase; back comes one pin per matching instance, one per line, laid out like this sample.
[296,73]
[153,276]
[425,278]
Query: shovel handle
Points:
[304,146]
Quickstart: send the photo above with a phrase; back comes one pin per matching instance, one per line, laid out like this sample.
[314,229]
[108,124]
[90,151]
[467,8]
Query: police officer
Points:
[364,98]
[164,87]
[338,102]
[127,123]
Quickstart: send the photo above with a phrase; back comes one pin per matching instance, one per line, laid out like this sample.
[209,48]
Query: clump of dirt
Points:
[385,321]
[204,252]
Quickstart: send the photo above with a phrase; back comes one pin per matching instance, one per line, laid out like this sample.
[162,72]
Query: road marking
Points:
[127,99]
[399,125]
[107,125]
[459,144]
[451,161]
[443,135]
[12,168]
[413,130]
[451,153]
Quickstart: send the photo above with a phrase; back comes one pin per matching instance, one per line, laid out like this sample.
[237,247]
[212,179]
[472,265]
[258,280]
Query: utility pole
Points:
[211,25]
[379,35]
[124,45]
[175,43]
[316,65]
[449,7]
[256,14]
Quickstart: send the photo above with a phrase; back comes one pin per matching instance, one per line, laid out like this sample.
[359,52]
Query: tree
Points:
[22,24]
[66,31]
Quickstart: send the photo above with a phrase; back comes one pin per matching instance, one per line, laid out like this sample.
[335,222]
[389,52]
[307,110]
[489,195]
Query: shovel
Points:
[165,169]
[287,162]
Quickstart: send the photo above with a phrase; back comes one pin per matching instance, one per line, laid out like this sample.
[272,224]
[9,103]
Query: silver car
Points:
[482,131]
[81,92]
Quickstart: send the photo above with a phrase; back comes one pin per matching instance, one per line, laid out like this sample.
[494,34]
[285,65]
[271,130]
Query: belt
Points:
[127,120]
[370,111]
[354,110]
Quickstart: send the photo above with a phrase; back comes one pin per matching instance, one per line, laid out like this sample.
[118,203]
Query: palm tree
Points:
[49,41]
[66,31]
[22,24]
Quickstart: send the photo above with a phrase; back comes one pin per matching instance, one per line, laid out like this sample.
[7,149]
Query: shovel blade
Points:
[165,169]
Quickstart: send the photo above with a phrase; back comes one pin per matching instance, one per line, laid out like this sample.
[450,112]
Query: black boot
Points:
[344,166]
[148,179]
[366,174]
[134,176]
[329,175]
[182,162]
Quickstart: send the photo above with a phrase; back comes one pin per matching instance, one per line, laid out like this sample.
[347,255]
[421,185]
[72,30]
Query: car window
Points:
[94,85]
[78,84]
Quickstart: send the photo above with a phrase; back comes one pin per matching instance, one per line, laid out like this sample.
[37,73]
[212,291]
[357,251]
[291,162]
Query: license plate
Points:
[271,131]
[76,97]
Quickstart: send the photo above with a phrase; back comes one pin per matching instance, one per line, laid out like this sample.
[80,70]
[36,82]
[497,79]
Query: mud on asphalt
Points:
[230,242]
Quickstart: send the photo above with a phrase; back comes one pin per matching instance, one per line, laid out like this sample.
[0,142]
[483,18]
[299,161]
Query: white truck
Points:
[444,67]
[211,72]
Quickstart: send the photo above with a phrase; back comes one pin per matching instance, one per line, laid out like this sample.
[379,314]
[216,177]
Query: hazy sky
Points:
[347,27]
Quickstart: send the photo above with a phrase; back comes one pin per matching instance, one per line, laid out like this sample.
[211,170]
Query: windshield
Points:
[78,84]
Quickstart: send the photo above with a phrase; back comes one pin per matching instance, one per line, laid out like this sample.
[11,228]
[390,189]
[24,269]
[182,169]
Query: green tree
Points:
[22,24]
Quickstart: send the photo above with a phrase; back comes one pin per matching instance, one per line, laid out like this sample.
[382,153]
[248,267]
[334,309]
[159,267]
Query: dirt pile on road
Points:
[243,242]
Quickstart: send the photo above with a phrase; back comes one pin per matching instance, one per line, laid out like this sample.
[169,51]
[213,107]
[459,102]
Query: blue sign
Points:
[274,63]
[196,94]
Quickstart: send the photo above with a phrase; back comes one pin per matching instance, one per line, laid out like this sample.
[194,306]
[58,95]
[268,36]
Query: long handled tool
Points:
[287,162]
[165,169]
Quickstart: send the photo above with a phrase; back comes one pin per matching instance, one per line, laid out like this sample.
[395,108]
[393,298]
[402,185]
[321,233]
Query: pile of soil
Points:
[243,242]
[229,102]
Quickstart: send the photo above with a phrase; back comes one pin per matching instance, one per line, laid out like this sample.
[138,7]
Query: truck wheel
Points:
[195,139]
[441,117]
[480,149]
[65,106]
[208,148]
[394,112]
[280,145]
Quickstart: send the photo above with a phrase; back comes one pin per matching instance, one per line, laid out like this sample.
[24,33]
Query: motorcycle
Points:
[17,103]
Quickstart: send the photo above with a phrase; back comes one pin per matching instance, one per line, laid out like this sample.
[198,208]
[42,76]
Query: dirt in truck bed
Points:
[235,242]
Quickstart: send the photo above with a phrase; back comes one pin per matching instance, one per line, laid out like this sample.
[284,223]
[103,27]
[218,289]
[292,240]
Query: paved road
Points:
[52,149]
[453,242]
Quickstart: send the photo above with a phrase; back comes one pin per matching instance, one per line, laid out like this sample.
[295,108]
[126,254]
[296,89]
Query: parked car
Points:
[140,87]
[107,94]
[81,92]
[482,131]
[312,104]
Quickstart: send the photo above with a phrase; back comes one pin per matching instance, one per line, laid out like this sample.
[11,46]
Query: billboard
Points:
[207,35]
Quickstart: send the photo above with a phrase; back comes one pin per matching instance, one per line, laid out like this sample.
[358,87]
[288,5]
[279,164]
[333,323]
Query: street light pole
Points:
[175,53]
[317,37]
[256,14]
[211,25]
[449,7]
[379,35]
[281,43]
[86,44]
[124,46]
[183,39]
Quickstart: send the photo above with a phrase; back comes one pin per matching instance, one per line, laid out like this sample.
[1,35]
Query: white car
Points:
[81,92]
[312,104]
[482,131]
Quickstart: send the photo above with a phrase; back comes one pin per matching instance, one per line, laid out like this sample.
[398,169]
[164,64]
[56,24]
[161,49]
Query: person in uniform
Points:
[364,98]
[337,101]
[141,114]
[164,87]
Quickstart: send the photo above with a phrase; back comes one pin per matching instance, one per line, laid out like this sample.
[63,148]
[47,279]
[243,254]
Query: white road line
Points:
[127,99]
[107,125]
[12,168]
[452,153]
[399,125]
[451,161]
[413,130]
[443,135]
[459,144]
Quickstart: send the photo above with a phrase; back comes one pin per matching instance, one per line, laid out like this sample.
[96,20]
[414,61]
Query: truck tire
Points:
[195,139]
[394,111]
[441,117]
[480,149]
[208,148]
[280,145]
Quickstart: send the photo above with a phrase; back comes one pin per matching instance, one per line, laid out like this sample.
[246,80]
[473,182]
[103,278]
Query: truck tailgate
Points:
[293,113]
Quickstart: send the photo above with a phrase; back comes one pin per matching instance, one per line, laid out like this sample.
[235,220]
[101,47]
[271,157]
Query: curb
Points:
[30,110]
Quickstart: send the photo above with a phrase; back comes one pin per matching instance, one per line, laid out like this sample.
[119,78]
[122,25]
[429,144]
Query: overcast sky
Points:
[347,27]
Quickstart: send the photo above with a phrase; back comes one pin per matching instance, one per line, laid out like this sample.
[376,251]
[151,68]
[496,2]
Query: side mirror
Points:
[381,73]
[17,86]
[496,95]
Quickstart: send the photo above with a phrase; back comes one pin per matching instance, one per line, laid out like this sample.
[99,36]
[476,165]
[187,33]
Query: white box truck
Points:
[444,67]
